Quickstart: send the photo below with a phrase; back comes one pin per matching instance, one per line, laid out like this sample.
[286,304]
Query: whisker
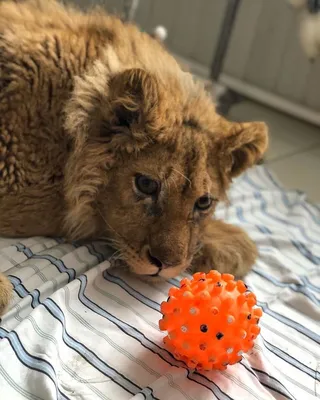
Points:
[165,183]
[180,173]
[104,219]
[126,251]
[116,253]
[172,178]
[109,241]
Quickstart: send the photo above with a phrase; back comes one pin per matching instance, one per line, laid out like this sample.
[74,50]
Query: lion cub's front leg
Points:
[226,248]
[5,293]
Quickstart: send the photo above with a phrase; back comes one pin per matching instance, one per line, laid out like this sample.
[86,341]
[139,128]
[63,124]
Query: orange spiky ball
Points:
[211,320]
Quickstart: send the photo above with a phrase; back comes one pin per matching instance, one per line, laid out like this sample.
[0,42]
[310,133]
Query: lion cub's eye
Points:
[204,203]
[146,185]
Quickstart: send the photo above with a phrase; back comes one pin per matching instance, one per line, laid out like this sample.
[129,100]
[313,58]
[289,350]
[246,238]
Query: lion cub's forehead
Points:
[189,167]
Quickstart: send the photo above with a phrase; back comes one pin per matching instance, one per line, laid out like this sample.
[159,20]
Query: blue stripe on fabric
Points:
[68,340]
[22,292]
[131,294]
[285,320]
[274,250]
[148,394]
[59,264]
[286,357]
[86,353]
[257,191]
[258,195]
[266,175]
[134,293]
[284,222]
[93,251]
[315,218]
[293,286]
[301,248]
[264,229]
[125,327]
[30,361]
[147,343]
[92,359]
[18,287]
[306,252]
[295,363]
[309,284]
[277,385]
[280,318]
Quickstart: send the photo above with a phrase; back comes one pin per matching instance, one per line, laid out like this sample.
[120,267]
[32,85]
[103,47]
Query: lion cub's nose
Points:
[155,261]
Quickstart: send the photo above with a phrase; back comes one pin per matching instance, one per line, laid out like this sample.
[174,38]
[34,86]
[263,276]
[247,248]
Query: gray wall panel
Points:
[208,27]
[295,67]
[264,51]
[242,39]
[270,41]
[311,94]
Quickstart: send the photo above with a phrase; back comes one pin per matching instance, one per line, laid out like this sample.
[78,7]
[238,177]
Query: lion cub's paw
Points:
[236,257]
[5,293]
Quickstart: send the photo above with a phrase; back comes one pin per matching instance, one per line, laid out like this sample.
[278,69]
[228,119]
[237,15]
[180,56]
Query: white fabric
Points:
[78,330]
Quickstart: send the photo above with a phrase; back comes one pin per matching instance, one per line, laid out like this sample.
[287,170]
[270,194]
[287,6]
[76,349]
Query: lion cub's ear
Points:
[134,100]
[133,96]
[125,108]
[244,146]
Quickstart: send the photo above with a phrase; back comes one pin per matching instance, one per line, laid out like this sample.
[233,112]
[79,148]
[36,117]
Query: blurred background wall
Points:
[264,61]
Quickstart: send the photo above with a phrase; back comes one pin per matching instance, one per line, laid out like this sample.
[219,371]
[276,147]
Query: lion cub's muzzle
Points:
[163,257]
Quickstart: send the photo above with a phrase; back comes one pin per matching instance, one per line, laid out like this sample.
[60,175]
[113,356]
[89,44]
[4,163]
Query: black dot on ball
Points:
[218,284]
[219,335]
[204,328]
[249,317]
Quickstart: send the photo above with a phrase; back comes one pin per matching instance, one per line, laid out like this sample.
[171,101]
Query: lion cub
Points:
[103,135]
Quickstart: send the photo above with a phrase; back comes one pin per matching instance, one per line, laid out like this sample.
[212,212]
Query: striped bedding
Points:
[80,330]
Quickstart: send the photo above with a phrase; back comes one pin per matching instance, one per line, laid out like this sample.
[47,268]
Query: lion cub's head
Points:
[150,161]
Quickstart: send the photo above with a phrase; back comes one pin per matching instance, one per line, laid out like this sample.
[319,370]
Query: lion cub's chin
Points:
[162,276]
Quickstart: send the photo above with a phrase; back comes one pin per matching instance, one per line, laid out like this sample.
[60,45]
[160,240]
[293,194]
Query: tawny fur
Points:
[5,293]
[86,104]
